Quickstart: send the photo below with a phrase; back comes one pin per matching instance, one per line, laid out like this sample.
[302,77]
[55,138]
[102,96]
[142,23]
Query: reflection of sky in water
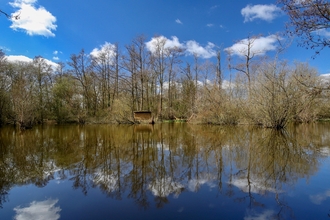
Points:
[325,151]
[255,186]
[319,198]
[38,211]
[164,187]
[176,177]
[265,215]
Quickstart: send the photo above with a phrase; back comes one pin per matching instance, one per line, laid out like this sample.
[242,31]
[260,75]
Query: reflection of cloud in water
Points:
[267,214]
[39,211]
[49,169]
[325,151]
[109,181]
[319,198]
[165,187]
[204,178]
[256,186]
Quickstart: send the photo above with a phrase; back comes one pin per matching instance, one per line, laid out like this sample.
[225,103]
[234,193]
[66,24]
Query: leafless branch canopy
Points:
[309,20]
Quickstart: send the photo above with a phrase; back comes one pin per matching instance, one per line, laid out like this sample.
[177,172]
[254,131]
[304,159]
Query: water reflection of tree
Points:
[164,160]
[4,181]
[141,156]
[24,159]
[274,159]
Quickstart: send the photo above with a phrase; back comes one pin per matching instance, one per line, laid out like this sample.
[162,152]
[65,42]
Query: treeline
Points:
[107,86]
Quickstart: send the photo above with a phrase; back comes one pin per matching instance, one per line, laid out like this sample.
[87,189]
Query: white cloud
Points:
[34,20]
[323,32]
[38,211]
[168,43]
[56,53]
[51,63]
[18,58]
[173,43]
[209,25]
[21,58]
[106,51]
[191,47]
[258,46]
[263,12]
[178,21]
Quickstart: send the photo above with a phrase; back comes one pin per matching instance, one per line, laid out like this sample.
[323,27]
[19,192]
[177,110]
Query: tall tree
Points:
[23,101]
[248,53]
[4,98]
[173,56]
[80,64]
[309,20]
[42,77]
[104,67]
[159,59]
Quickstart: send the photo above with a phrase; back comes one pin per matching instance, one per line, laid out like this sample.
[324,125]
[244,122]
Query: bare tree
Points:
[159,62]
[173,56]
[80,64]
[248,53]
[42,77]
[219,76]
[15,16]
[309,19]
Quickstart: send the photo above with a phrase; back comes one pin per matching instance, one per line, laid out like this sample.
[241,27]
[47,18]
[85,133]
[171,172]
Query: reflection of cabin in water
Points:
[143,117]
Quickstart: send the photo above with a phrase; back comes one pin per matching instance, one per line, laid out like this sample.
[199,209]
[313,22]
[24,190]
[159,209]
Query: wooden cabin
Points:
[144,117]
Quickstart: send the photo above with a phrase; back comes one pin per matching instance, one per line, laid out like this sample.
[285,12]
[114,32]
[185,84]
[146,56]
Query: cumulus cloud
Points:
[163,42]
[190,47]
[263,12]
[258,46]
[39,210]
[33,20]
[21,58]
[107,49]
[178,21]
[18,58]
[194,48]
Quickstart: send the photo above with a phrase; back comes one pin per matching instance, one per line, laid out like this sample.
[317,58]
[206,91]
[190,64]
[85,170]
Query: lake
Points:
[165,171]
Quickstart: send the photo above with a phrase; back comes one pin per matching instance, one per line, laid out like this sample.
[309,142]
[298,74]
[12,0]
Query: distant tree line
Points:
[109,86]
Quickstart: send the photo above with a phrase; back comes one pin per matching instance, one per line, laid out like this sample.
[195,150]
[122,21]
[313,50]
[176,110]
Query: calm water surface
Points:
[165,171]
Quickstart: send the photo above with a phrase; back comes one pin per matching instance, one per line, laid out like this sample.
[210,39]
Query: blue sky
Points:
[57,29]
